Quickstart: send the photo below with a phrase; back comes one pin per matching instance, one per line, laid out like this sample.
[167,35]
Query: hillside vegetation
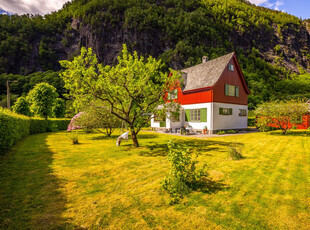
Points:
[273,47]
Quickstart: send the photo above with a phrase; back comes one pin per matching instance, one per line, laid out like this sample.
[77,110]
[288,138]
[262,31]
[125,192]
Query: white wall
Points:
[199,125]
[155,124]
[220,122]
[234,121]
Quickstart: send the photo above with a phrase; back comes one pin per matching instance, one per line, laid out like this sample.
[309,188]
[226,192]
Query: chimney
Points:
[204,59]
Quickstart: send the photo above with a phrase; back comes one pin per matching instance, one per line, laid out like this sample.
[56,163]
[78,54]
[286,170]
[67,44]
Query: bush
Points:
[231,131]
[22,106]
[251,121]
[183,176]
[14,127]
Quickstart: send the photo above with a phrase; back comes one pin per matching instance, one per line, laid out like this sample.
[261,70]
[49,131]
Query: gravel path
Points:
[205,136]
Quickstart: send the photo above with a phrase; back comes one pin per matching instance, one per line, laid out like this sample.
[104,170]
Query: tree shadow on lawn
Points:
[140,136]
[201,147]
[291,133]
[213,186]
[30,196]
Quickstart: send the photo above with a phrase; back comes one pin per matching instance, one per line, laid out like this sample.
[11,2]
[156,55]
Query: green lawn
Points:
[48,183]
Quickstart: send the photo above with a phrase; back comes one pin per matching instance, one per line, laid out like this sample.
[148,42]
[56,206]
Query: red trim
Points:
[198,90]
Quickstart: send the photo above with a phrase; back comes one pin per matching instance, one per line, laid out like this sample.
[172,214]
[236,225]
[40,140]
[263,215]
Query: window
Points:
[231,90]
[242,113]
[159,118]
[231,67]
[195,115]
[225,111]
[173,94]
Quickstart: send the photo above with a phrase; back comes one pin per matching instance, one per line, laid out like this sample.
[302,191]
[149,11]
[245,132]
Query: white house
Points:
[214,97]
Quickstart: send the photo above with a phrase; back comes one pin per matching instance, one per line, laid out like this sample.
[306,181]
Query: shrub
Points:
[279,114]
[230,131]
[251,121]
[235,152]
[221,132]
[183,176]
[14,127]
[74,137]
[22,106]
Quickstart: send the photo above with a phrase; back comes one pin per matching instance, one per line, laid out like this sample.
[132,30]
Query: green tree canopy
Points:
[42,98]
[22,106]
[280,114]
[59,108]
[131,90]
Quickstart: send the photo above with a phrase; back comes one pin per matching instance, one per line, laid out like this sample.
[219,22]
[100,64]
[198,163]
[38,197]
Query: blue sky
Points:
[299,8]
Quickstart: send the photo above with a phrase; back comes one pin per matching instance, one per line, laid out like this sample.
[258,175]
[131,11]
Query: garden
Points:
[82,179]
[47,181]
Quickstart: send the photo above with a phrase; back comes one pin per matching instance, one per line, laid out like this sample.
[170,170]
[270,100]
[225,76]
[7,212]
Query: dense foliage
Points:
[42,99]
[59,109]
[280,114]
[96,117]
[14,127]
[272,47]
[22,106]
[130,90]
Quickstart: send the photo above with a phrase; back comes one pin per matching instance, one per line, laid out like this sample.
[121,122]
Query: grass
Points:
[48,183]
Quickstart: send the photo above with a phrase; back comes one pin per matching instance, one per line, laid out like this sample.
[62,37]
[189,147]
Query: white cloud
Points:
[267,3]
[31,6]
[258,2]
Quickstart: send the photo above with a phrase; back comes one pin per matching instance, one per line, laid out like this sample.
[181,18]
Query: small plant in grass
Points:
[183,176]
[230,132]
[235,152]
[74,137]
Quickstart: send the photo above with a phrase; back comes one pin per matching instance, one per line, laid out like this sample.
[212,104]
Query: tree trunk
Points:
[134,137]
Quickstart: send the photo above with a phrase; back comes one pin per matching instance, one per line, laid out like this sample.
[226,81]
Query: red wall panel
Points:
[231,78]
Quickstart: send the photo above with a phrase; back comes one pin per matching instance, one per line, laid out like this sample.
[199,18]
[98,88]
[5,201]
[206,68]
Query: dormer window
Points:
[173,94]
[230,67]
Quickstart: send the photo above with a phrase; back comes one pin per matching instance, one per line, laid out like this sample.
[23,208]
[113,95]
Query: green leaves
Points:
[183,176]
[129,90]
[280,114]
[42,98]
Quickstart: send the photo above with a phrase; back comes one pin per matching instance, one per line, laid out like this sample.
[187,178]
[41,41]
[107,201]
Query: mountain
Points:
[273,47]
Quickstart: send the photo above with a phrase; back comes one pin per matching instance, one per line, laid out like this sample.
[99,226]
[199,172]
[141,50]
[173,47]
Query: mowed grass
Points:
[48,183]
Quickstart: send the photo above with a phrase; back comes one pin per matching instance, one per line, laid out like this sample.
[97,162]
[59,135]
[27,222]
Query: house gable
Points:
[205,82]
[233,78]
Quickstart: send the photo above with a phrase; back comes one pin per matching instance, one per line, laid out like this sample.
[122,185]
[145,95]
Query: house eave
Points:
[198,90]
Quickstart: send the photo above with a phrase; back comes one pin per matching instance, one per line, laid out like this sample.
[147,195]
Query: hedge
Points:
[14,127]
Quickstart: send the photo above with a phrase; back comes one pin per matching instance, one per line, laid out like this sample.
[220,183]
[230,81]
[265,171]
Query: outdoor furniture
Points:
[189,130]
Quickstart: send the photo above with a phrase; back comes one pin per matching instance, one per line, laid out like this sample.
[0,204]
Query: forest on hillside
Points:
[273,48]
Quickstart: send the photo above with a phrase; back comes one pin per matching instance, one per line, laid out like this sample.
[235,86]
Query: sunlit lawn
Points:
[48,183]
